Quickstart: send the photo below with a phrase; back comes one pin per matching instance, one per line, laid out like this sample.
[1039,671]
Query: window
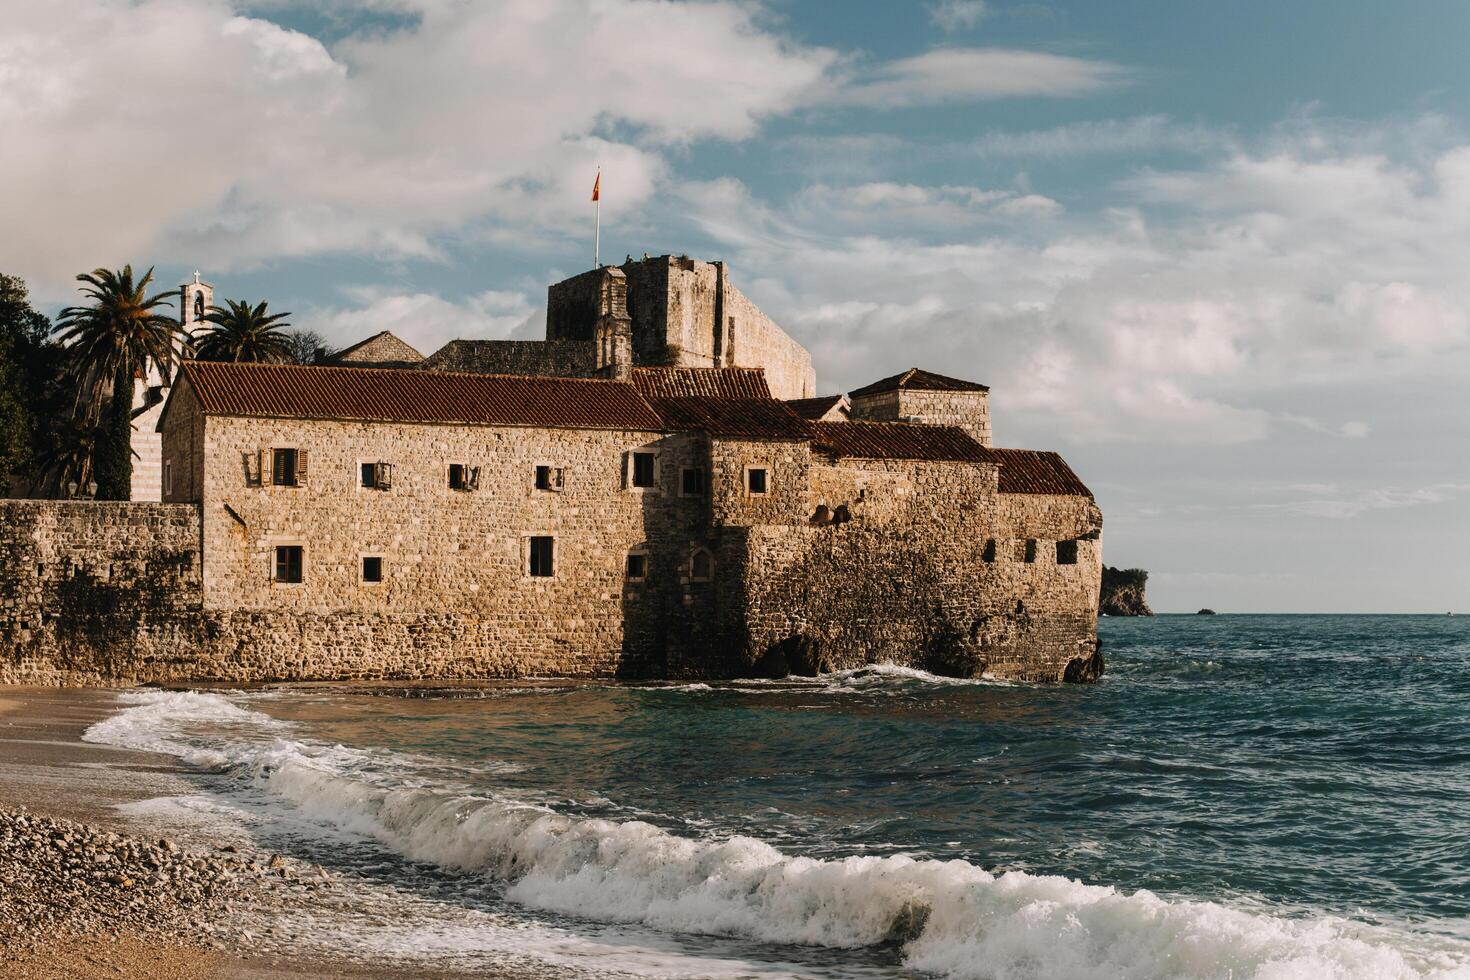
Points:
[541,557]
[377,476]
[288,564]
[643,469]
[692,482]
[372,569]
[462,477]
[637,567]
[1030,552]
[1066,552]
[288,467]
[755,481]
[701,566]
[988,554]
[168,478]
[549,478]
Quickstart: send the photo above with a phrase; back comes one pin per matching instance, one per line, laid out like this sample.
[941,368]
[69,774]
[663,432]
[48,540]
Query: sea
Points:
[1240,796]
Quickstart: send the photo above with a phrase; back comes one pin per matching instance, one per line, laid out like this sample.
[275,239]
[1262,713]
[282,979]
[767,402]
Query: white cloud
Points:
[183,132]
[967,74]
[426,321]
[1136,134]
[1190,315]
[958,15]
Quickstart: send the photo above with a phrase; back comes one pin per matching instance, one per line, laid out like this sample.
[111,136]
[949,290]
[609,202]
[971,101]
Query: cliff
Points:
[1123,592]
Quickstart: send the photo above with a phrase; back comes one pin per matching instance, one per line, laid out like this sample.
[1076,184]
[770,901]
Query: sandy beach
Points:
[49,771]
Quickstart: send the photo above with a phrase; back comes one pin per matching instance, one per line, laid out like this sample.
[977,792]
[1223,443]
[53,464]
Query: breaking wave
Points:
[951,918]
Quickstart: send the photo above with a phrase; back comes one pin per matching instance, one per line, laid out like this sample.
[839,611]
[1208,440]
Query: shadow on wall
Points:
[855,596]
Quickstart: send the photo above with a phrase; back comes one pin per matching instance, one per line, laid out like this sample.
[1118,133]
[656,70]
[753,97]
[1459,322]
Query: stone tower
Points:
[195,299]
[613,330]
[149,394]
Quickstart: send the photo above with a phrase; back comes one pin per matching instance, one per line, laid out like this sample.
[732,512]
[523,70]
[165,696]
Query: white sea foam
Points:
[955,919]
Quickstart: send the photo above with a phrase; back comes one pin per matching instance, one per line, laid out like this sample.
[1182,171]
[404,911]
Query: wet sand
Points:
[45,767]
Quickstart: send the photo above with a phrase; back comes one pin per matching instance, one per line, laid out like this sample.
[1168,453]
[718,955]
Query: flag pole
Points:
[597,233]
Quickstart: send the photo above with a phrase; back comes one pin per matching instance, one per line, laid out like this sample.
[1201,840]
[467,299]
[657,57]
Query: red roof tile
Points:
[750,418]
[896,440]
[687,382]
[812,409]
[411,395]
[915,378]
[1029,471]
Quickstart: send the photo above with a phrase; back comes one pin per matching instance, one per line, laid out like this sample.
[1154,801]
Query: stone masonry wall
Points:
[686,313]
[970,410]
[913,577]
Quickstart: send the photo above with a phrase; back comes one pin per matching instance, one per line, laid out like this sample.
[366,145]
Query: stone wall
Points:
[685,313]
[92,591]
[930,570]
[970,410]
[837,565]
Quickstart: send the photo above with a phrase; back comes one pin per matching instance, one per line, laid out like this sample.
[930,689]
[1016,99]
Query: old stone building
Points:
[635,498]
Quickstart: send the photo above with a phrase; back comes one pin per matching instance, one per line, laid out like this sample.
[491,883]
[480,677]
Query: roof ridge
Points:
[411,370]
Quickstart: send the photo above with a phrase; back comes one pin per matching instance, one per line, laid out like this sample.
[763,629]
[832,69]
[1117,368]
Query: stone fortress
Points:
[653,491]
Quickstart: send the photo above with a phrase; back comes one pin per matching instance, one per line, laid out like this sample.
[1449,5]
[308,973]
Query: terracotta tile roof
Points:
[814,409]
[689,382]
[412,395]
[914,378]
[749,418]
[896,440]
[1029,471]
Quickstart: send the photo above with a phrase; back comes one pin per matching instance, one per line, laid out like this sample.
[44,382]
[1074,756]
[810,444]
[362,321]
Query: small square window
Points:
[369,474]
[1030,553]
[643,469]
[549,478]
[372,568]
[463,477]
[288,563]
[542,556]
[1066,552]
[755,481]
[692,482]
[637,566]
[988,554]
[284,467]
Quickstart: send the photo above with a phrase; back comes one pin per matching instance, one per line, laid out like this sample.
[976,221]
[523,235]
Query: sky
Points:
[1218,255]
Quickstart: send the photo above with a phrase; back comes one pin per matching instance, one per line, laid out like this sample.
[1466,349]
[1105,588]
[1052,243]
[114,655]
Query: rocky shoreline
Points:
[61,879]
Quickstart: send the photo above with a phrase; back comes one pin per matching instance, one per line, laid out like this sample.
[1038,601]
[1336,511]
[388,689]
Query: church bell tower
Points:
[195,299]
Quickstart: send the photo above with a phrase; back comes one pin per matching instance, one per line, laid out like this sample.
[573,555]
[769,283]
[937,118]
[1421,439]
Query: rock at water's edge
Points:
[1123,592]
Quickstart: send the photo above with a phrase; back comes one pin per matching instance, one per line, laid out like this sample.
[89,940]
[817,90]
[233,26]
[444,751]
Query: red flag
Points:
[597,187]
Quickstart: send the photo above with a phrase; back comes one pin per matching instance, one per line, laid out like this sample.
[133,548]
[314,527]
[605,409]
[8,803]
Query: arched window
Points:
[199,306]
[701,566]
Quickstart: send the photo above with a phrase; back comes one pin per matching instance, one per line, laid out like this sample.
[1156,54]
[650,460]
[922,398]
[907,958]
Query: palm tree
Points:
[241,332]
[109,343]
[68,458]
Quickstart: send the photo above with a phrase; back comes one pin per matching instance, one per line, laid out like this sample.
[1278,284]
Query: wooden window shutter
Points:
[474,480]
[385,476]
[559,483]
[263,465]
[627,470]
[301,467]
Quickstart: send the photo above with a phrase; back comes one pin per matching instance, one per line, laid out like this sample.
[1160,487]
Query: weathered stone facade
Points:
[684,313]
[516,508]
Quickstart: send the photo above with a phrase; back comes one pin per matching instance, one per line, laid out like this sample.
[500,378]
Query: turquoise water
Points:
[1298,786]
